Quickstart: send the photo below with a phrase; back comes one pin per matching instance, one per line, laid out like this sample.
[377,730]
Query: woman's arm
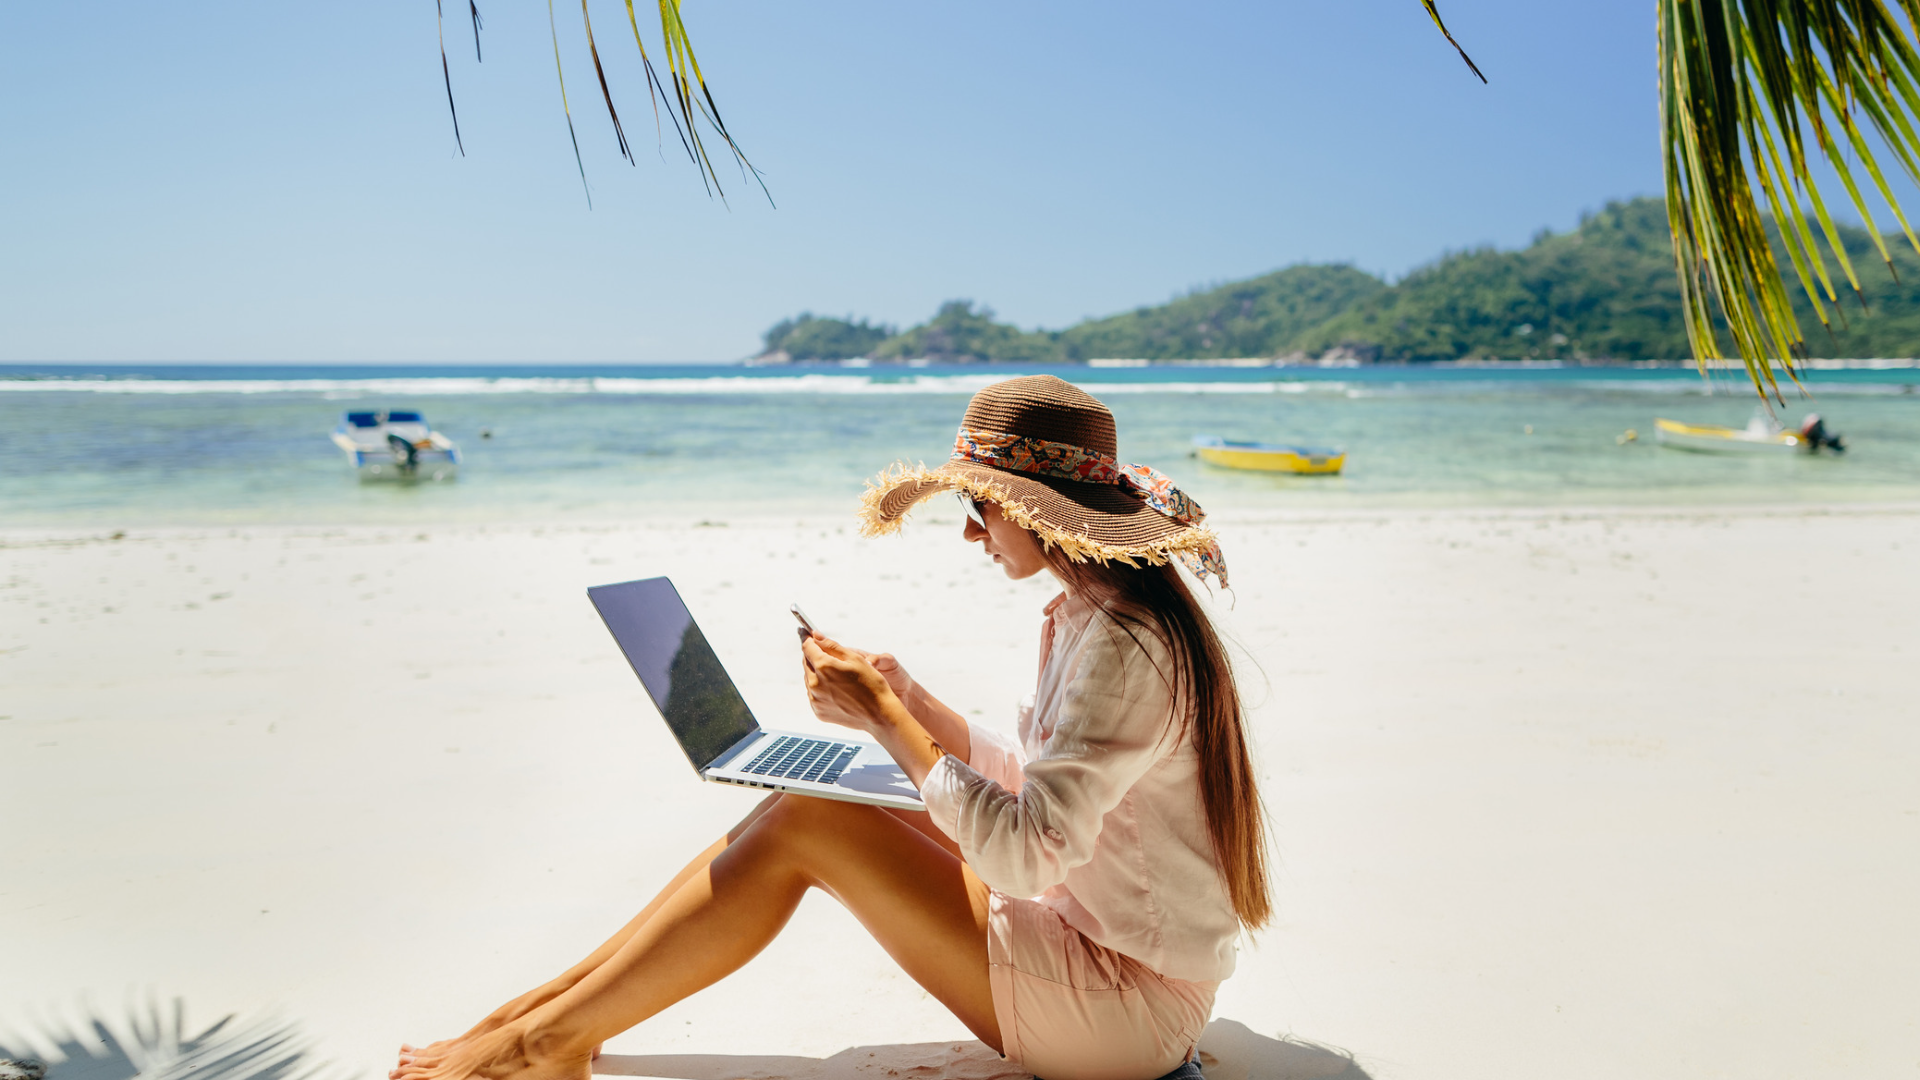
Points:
[1114,722]
[947,727]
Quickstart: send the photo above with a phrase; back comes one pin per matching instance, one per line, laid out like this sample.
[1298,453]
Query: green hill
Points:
[1606,290]
[1264,316]
[961,332]
[811,337]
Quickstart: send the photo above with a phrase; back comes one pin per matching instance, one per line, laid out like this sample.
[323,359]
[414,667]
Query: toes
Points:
[413,1064]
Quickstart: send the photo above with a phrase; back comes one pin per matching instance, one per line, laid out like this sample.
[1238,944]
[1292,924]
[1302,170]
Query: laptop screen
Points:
[667,650]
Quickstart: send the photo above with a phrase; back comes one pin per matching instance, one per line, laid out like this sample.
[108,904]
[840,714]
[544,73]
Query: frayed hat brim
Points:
[1088,522]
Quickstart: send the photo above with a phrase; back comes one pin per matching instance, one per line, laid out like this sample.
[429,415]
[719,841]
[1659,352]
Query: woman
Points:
[1074,896]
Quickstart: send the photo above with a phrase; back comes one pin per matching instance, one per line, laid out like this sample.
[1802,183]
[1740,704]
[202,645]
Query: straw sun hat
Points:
[1044,450]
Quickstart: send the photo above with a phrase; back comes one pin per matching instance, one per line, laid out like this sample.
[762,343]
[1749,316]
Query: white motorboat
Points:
[396,445]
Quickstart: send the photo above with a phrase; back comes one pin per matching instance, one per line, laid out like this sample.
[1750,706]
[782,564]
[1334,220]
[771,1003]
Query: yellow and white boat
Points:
[1763,434]
[1757,437]
[1269,457]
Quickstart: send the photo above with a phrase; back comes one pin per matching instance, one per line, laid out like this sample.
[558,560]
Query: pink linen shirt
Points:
[1096,811]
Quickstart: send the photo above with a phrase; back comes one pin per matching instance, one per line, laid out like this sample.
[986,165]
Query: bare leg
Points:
[923,823]
[540,995]
[923,905]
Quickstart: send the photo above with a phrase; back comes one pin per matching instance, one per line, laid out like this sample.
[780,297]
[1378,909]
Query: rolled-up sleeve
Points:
[996,755]
[1112,726]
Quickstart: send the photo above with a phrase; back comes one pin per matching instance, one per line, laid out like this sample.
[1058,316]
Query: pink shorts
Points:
[1073,1010]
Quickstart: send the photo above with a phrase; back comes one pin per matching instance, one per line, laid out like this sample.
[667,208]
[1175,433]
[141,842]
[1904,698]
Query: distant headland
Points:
[1602,293]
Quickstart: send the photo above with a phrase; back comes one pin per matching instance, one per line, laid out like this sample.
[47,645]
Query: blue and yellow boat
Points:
[1269,457]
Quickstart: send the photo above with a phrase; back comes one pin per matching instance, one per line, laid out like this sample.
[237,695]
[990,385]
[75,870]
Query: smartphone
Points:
[806,627]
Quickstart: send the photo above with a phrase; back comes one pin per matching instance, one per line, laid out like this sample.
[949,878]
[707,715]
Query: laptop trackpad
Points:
[880,778]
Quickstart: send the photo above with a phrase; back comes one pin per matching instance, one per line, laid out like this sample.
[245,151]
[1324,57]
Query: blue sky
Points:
[278,182]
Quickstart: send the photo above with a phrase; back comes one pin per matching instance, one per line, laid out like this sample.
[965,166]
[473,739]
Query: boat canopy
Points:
[375,419]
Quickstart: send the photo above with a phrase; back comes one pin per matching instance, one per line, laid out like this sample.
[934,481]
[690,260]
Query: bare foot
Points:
[502,1054]
[439,1049]
[493,1021]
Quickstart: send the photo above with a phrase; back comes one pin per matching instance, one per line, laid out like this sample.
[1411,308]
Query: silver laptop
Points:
[711,720]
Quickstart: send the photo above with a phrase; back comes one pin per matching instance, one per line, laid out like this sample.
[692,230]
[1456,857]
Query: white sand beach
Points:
[1556,795]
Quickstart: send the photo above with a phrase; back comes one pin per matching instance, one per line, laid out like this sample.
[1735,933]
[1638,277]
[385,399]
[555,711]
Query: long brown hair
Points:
[1156,600]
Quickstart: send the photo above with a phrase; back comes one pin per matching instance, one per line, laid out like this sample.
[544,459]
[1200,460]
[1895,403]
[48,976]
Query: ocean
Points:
[130,446]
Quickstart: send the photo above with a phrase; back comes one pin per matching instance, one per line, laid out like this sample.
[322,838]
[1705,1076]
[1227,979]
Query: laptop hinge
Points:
[729,753]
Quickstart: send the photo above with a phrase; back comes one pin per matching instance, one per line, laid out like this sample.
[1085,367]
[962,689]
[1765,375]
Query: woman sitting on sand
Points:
[1127,809]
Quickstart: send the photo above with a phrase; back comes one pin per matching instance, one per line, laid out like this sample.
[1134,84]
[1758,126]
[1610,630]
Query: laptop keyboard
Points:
[791,758]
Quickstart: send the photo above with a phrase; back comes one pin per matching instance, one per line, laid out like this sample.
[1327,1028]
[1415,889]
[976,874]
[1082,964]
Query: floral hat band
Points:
[1018,453]
[1069,462]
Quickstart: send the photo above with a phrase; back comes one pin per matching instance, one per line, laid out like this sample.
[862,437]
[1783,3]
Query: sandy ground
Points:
[1556,795]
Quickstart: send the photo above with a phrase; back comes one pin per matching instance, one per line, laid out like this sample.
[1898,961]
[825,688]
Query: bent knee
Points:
[810,812]
[804,825]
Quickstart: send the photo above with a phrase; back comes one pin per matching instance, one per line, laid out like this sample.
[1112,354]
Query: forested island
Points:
[1604,291]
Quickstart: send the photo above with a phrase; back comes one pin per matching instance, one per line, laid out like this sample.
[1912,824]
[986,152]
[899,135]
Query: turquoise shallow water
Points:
[205,445]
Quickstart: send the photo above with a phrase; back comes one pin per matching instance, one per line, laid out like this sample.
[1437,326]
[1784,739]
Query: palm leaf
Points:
[561,72]
[1434,13]
[618,132]
[685,72]
[682,103]
[655,91]
[1746,88]
[688,97]
[439,24]
[155,1043]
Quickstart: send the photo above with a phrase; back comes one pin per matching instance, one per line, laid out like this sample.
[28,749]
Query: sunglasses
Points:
[972,507]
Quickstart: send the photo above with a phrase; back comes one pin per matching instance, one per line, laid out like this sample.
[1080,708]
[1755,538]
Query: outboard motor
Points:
[1814,431]
[404,455]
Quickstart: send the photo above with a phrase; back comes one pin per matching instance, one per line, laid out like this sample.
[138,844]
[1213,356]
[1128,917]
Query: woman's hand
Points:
[889,668]
[847,687]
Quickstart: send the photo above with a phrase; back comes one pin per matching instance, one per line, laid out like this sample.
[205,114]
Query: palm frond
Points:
[561,72]
[688,99]
[440,29]
[155,1043]
[1747,88]
[619,133]
[1434,13]
[655,91]
[685,72]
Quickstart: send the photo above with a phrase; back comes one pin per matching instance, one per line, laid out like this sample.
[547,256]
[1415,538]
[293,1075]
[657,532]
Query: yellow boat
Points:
[1763,435]
[1269,457]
